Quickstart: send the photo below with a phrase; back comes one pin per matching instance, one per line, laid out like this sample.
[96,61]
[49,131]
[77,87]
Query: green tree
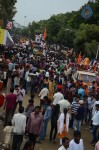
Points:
[91,48]
[66,37]
[53,27]
[7,10]
[85,36]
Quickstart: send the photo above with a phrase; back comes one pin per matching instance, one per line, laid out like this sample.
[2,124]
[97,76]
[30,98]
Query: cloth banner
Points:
[2,36]
[5,38]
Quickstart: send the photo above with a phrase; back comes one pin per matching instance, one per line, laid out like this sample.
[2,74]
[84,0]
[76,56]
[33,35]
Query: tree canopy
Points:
[70,30]
[7,10]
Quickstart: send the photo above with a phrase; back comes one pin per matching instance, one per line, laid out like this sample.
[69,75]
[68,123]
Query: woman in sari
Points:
[51,89]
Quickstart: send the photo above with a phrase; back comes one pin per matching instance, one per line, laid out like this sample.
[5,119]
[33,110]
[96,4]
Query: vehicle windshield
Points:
[87,78]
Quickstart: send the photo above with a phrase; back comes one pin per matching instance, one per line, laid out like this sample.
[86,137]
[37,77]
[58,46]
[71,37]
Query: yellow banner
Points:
[2,36]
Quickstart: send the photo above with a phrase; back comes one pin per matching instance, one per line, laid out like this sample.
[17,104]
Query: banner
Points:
[2,36]
[5,38]
[87,12]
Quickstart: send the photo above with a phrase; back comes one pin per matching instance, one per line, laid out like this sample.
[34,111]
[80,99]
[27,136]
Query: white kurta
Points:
[61,123]
[74,146]
[63,148]
[8,134]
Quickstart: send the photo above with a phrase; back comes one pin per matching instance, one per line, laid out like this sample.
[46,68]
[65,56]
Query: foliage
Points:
[86,35]
[70,30]
[7,10]
[91,49]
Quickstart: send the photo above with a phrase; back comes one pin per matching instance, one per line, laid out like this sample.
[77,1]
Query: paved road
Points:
[46,144]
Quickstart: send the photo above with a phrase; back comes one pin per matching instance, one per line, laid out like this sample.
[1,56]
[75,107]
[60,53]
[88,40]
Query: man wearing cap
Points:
[79,116]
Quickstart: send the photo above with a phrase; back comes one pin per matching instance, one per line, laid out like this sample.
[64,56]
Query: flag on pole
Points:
[9,25]
[79,58]
[45,34]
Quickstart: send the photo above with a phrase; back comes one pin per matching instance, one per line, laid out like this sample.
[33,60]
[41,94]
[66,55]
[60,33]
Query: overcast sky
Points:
[36,10]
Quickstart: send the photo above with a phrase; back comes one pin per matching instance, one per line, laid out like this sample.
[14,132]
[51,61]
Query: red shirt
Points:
[1,100]
[60,86]
[10,101]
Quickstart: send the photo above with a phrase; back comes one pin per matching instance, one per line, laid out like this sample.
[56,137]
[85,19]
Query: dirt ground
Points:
[46,144]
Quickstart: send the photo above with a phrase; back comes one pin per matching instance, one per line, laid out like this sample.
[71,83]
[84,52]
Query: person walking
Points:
[8,130]
[74,106]
[9,106]
[44,92]
[65,144]
[95,123]
[34,125]
[51,89]
[57,97]
[64,104]
[54,118]
[63,125]
[46,119]
[20,95]
[19,123]
[77,142]
[79,116]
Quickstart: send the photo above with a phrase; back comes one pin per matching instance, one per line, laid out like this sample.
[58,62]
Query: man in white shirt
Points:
[95,123]
[44,92]
[65,144]
[20,95]
[26,76]
[47,74]
[64,104]
[57,97]
[77,142]
[19,123]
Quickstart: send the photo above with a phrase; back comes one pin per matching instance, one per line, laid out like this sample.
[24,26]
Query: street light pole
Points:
[25,21]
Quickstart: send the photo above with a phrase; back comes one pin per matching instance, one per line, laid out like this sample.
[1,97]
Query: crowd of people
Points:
[62,102]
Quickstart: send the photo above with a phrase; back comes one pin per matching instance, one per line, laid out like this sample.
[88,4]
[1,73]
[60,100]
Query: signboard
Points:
[2,36]
[87,12]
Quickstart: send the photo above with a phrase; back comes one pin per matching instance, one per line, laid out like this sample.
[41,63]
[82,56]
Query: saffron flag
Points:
[79,58]
[45,34]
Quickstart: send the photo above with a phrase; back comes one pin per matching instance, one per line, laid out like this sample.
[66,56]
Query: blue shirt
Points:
[81,91]
[47,114]
[11,66]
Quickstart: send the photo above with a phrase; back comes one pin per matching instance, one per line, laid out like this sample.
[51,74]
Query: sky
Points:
[36,10]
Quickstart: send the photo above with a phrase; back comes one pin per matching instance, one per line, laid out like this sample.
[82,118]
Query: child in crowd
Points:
[8,130]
